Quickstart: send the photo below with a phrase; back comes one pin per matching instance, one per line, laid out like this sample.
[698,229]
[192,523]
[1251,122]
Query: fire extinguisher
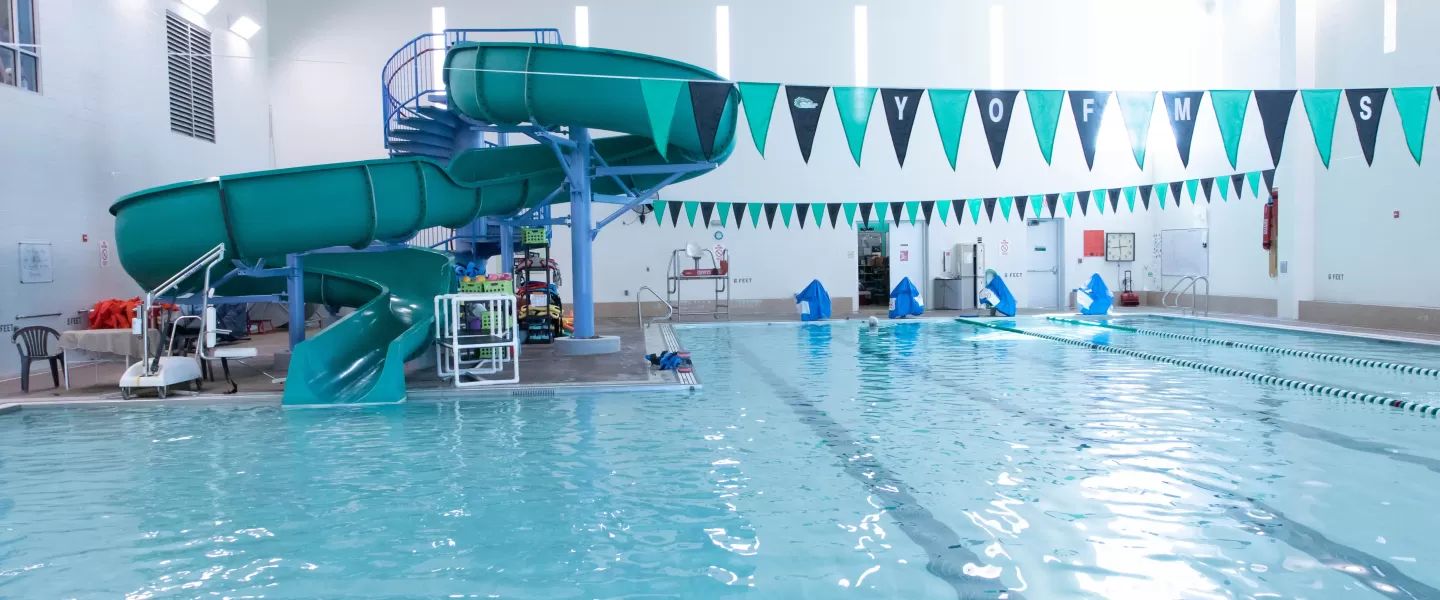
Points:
[1271,209]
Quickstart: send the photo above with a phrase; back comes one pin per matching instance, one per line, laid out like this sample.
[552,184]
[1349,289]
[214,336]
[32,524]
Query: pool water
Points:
[920,460]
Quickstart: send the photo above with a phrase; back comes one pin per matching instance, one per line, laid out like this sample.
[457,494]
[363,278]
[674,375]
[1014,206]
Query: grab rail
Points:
[640,306]
[1194,297]
[1165,300]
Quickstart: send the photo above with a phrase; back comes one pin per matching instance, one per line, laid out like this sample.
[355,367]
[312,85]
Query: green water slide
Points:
[268,215]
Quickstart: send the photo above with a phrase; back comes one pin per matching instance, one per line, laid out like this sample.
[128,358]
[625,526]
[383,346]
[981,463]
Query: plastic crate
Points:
[533,236]
[504,286]
[473,287]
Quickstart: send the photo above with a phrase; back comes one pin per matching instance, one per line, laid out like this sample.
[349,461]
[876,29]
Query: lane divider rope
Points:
[1363,362]
[1425,409]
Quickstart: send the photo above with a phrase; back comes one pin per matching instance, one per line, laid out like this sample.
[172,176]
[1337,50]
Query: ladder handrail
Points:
[640,310]
[1195,295]
[1165,300]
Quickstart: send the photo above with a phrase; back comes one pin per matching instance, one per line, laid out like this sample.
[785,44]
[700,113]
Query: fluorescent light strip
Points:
[722,41]
[1390,25]
[862,46]
[997,46]
[437,26]
[582,26]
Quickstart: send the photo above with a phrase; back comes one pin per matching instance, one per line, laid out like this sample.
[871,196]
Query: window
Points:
[19,53]
[192,94]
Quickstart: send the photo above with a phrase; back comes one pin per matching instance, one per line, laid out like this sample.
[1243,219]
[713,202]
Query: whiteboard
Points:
[1185,252]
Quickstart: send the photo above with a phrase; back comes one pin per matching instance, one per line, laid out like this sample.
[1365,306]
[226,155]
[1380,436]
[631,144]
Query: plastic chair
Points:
[33,343]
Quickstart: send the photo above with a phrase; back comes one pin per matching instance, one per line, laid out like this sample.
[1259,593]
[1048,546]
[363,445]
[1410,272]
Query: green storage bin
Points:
[533,236]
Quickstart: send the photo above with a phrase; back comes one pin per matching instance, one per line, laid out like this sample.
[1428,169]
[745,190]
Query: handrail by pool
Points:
[640,306]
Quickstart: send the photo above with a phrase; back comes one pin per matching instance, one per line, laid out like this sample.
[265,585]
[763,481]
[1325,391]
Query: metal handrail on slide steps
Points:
[640,306]
[1165,300]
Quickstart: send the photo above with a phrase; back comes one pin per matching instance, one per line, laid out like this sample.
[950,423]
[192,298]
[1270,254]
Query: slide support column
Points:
[507,249]
[295,295]
[581,236]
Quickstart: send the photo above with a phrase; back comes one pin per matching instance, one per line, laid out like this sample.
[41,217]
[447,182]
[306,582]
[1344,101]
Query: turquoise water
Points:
[922,460]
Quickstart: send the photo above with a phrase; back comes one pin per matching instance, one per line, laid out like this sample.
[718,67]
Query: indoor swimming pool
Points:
[922,459]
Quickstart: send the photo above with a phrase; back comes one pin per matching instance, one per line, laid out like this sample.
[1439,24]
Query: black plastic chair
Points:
[33,343]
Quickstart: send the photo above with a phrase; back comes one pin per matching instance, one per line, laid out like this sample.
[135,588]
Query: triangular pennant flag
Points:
[854,104]
[1084,202]
[1269,176]
[897,211]
[1413,103]
[1193,185]
[1045,117]
[1253,178]
[659,206]
[1181,108]
[759,102]
[959,206]
[739,209]
[834,209]
[1208,184]
[770,208]
[900,107]
[990,210]
[755,209]
[690,208]
[802,211]
[1274,107]
[786,211]
[865,209]
[944,208]
[1230,107]
[1052,199]
[1130,197]
[850,213]
[1225,189]
[1020,203]
[709,99]
[912,210]
[880,212]
[1145,191]
[806,104]
[660,96]
[1006,203]
[817,211]
[927,208]
[1089,110]
[1321,106]
[723,209]
[995,107]
[706,210]
[974,209]
[1037,204]
[1366,105]
[949,108]
[1175,187]
[1136,109]
[675,214]
[1114,200]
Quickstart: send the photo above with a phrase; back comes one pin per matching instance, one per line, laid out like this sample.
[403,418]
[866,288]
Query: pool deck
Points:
[543,372]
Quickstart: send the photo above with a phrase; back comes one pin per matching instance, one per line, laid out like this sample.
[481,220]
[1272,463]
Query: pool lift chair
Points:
[165,370]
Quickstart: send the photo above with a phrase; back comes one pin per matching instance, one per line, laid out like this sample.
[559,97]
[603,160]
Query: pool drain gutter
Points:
[1425,409]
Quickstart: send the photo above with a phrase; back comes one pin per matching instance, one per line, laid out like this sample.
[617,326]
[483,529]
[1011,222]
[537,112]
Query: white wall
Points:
[99,130]
[329,53]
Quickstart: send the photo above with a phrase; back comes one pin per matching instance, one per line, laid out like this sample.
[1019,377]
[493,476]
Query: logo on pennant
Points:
[805,113]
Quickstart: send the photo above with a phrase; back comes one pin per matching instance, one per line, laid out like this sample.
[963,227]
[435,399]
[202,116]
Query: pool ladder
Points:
[640,306]
[1192,280]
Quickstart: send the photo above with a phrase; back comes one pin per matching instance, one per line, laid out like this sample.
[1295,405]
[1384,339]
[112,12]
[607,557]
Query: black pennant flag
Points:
[1145,191]
[958,207]
[1269,175]
[770,208]
[1207,184]
[1239,180]
[1089,109]
[897,209]
[709,99]
[1182,108]
[1020,202]
[865,213]
[1051,201]
[927,207]
[1175,187]
[707,209]
[1084,200]
[674,213]
[806,103]
[1114,199]
[995,106]
[739,209]
[801,210]
[900,107]
[834,210]
[1366,106]
[990,209]
[1274,107]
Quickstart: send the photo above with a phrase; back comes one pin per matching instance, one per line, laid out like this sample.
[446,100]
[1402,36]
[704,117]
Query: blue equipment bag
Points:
[813,302]
[1095,298]
[996,295]
[905,300]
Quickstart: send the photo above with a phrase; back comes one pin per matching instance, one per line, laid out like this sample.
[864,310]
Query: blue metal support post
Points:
[295,291]
[507,249]
[581,240]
